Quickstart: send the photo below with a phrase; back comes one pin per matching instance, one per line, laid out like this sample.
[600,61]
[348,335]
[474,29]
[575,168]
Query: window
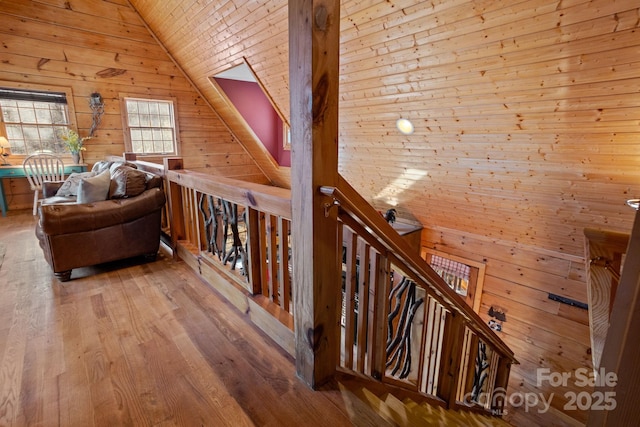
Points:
[462,275]
[251,107]
[150,125]
[32,119]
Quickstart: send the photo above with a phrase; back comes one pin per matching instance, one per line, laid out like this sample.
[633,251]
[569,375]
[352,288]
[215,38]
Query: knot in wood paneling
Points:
[110,72]
[320,99]
[321,18]
[314,336]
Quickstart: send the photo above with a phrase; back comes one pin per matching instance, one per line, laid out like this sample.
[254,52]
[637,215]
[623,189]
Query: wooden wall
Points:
[208,39]
[526,119]
[104,46]
[543,333]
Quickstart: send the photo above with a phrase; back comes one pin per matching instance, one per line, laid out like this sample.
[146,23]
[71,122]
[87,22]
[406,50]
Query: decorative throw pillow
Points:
[70,185]
[102,165]
[116,165]
[127,182]
[94,189]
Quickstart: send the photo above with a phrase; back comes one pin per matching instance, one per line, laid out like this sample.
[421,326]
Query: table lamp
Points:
[4,144]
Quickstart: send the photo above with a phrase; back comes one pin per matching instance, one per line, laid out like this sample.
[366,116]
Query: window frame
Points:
[476,275]
[71,112]
[126,129]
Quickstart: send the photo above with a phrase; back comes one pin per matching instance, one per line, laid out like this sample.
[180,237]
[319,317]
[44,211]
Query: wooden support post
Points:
[314,32]
[176,216]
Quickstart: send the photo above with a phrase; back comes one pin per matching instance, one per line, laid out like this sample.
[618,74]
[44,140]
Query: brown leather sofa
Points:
[74,235]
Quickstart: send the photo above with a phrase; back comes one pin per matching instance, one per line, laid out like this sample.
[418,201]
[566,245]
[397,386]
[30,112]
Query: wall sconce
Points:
[633,203]
[4,144]
[97,107]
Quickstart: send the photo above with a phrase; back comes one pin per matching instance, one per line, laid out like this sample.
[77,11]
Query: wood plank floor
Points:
[131,343]
[149,344]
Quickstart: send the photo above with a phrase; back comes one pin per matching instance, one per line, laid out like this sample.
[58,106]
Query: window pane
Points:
[31,124]
[164,109]
[165,121]
[151,125]
[10,113]
[59,115]
[27,115]
[137,146]
[43,116]
[134,120]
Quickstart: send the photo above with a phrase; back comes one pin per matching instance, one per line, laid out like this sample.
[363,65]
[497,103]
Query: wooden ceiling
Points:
[526,113]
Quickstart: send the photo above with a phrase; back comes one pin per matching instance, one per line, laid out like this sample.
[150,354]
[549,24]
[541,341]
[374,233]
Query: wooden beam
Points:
[314,27]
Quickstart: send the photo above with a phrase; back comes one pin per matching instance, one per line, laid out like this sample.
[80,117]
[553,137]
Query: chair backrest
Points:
[43,167]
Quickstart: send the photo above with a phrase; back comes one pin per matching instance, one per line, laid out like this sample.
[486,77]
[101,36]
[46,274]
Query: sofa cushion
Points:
[127,182]
[94,189]
[70,185]
[75,218]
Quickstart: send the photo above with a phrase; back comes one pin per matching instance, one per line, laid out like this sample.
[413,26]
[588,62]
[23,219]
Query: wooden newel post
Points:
[174,196]
[314,31]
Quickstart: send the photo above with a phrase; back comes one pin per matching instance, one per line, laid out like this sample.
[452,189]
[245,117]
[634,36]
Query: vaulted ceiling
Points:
[526,113]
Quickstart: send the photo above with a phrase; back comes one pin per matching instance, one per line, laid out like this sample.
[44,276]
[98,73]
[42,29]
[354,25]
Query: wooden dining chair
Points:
[39,168]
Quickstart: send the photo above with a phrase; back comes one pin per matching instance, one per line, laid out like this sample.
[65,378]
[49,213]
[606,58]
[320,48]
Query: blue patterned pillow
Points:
[70,185]
[94,189]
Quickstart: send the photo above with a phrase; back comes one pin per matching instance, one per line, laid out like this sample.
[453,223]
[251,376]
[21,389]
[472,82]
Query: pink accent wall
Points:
[257,110]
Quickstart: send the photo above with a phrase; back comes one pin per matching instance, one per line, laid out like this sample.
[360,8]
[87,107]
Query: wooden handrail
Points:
[262,197]
[352,202]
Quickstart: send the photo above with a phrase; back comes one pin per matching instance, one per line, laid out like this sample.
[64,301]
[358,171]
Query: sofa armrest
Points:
[76,218]
[50,188]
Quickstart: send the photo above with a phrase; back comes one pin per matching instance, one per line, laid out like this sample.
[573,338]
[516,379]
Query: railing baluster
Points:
[491,379]
[284,281]
[451,358]
[378,304]
[499,395]
[465,364]
[201,238]
[272,239]
[253,244]
[264,272]
[364,251]
[350,286]
[433,339]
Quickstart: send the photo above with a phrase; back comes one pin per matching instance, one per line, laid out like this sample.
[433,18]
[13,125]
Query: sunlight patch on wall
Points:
[391,193]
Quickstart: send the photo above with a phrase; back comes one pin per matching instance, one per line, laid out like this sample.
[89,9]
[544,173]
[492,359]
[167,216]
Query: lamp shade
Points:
[3,142]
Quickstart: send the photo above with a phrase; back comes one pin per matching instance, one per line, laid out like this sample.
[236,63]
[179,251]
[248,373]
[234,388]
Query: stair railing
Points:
[402,324]
[240,228]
